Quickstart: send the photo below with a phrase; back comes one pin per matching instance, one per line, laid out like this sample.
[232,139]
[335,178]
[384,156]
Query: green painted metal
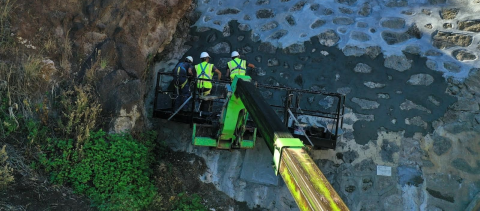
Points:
[309,187]
[202,141]
[279,145]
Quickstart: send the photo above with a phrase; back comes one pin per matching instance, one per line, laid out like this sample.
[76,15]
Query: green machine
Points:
[241,110]
[232,124]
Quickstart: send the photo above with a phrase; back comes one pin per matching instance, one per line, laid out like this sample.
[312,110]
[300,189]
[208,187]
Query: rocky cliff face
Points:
[108,42]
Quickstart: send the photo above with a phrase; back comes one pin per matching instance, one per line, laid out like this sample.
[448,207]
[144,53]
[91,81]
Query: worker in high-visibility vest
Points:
[182,89]
[205,70]
[237,66]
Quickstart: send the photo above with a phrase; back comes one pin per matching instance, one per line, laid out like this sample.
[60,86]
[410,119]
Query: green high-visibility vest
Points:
[237,67]
[204,71]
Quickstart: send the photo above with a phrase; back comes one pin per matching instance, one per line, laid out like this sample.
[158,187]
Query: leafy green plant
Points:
[189,203]
[113,169]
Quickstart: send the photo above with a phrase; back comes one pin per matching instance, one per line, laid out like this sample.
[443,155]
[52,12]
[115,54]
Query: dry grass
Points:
[80,111]
[6,172]
[66,52]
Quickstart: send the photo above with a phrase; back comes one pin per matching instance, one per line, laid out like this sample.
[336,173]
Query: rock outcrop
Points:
[124,33]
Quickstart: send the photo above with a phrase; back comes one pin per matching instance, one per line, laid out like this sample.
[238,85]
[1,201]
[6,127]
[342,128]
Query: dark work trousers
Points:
[206,104]
[183,94]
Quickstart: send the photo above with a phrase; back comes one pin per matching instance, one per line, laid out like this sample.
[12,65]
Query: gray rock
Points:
[262,2]
[217,22]
[365,10]
[426,11]
[258,59]
[344,90]
[246,49]
[469,25]
[298,6]
[269,26]
[373,85]
[240,38]
[413,31]
[265,13]
[299,81]
[433,53]
[387,150]
[298,67]
[433,100]
[366,104]
[420,80]
[462,165]
[267,47]
[247,17]
[408,105]
[203,29]
[365,117]
[295,48]
[219,48]
[317,23]
[345,10]
[412,49]
[343,21]
[477,118]
[393,23]
[285,65]
[408,12]
[462,55]
[449,14]
[373,51]
[447,26]
[255,37]
[396,3]
[226,31]
[278,34]
[347,2]
[348,156]
[211,38]
[416,121]
[244,27]
[328,38]
[428,26]
[392,38]
[473,81]
[443,40]
[272,62]
[465,105]
[400,63]
[435,2]
[259,71]
[222,63]
[353,51]
[326,102]
[228,11]
[441,145]
[266,94]
[452,67]
[362,25]
[359,36]
[342,30]
[383,96]
[290,20]
[362,68]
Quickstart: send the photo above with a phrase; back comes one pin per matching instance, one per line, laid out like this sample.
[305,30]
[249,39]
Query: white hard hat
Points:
[189,58]
[204,55]
[235,54]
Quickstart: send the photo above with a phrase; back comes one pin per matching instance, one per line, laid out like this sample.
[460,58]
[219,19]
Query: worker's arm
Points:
[190,71]
[219,73]
[228,74]
[251,65]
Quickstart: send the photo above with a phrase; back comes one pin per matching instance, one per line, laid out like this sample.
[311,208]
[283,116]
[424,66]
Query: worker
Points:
[182,89]
[204,71]
[237,66]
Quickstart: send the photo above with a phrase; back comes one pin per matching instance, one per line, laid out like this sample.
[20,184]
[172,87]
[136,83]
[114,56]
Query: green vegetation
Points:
[189,203]
[113,170]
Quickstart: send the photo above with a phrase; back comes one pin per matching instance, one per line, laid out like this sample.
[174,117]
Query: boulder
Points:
[393,23]
[400,63]
[328,38]
[443,40]
[469,25]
